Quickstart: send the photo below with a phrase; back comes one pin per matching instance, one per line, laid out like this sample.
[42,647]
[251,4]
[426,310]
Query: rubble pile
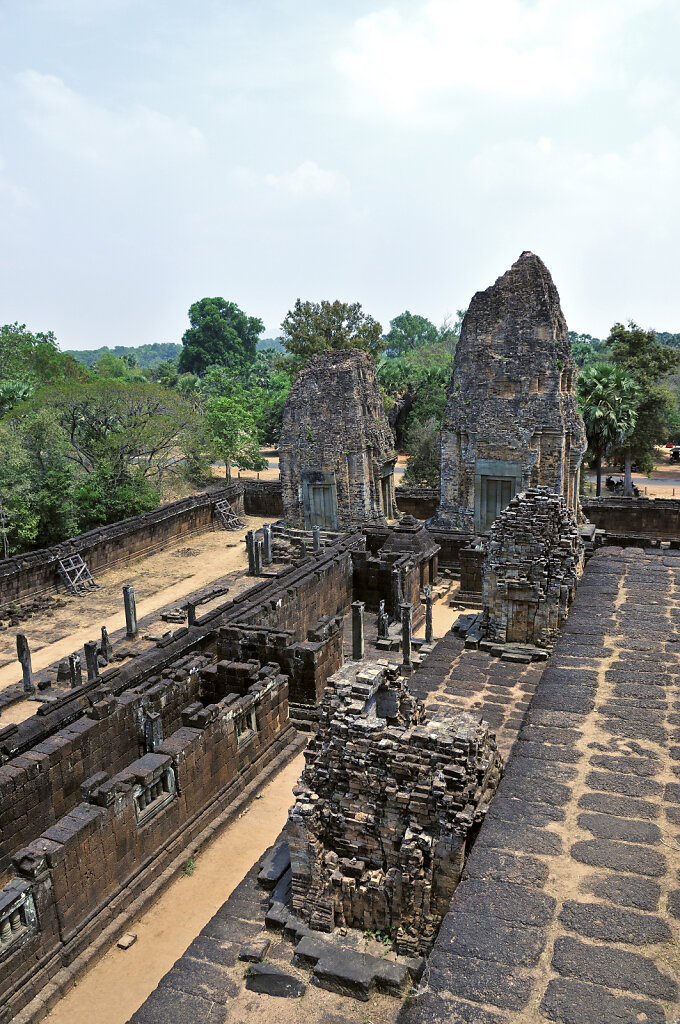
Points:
[534,561]
[385,808]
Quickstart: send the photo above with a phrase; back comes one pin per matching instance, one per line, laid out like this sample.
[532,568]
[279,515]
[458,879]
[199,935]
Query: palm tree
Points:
[609,399]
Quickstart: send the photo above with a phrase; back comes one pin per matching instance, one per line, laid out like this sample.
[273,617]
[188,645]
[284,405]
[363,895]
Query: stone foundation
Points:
[385,808]
[533,564]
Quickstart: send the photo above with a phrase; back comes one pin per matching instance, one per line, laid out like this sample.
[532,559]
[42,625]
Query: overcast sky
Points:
[153,152]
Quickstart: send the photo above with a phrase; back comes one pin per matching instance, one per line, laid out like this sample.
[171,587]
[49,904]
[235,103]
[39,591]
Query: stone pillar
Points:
[191,613]
[130,612]
[106,646]
[382,622]
[250,548]
[153,731]
[91,660]
[257,556]
[24,656]
[267,544]
[316,538]
[357,630]
[397,595]
[429,633]
[75,671]
[303,549]
[406,626]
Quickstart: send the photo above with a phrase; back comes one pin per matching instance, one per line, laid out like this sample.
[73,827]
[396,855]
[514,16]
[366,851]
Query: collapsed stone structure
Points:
[534,562]
[336,453]
[511,419]
[385,808]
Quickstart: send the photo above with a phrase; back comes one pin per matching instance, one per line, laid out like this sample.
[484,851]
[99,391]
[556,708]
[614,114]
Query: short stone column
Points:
[429,632]
[383,624]
[153,731]
[267,544]
[250,548]
[397,595]
[406,633]
[316,538]
[75,671]
[91,660]
[357,630]
[191,613]
[257,556]
[130,612]
[106,647]
[24,656]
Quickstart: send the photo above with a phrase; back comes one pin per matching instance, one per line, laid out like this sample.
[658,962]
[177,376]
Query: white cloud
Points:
[14,194]
[306,181]
[98,135]
[396,62]
[633,186]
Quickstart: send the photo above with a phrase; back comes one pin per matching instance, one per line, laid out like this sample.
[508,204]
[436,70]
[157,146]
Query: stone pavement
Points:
[569,908]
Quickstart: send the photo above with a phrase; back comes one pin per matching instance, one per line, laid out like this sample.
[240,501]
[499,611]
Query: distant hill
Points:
[146,355]
[274,343]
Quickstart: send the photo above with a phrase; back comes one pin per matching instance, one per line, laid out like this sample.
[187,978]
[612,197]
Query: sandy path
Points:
[117,985]
[85,615]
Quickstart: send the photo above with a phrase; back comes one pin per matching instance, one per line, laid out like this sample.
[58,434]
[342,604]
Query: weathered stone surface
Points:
[599,921]
[604,853]
[534,562]
[626,890]
[575,1002]
[606,826]
[487,938]
[614,968]
[479,980]
[166,1006]
[511,414]
[503,866]
[610,804]
[337,451]
[384,807]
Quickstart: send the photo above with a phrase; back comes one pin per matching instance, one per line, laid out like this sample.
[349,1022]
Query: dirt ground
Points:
[664,481]
[159,579]
[272,473]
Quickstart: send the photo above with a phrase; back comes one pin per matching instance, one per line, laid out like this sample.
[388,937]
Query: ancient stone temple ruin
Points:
[511,420]
[385,807]
[534,562]
[337,451]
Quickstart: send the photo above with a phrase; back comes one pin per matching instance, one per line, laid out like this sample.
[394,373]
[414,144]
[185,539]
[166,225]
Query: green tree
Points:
[423,469]
[28,361]
[608,398]
[232,429]
[221,334]
[647,362]
[312,327]
[408,331]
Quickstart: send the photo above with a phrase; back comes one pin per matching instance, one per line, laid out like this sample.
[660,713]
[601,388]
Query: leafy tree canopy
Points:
[221,334]
[423,468]
[312,327]
[145,356]
[608,398]
[408,331]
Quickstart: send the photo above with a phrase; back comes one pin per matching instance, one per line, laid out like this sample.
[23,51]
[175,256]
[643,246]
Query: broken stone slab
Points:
[281,891]
[271,981]
[274,866]
[359,974]
[276,917]
[255,951]
[127,940]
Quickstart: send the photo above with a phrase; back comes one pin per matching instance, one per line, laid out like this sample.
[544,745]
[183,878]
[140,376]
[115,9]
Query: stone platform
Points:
[569,908]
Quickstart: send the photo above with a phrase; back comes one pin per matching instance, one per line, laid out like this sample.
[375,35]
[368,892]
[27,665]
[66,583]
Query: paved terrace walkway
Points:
[570,905]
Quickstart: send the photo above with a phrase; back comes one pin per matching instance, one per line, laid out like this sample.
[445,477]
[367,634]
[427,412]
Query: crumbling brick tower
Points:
[385,809]
[533,565]
[337,451]
[511,420]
